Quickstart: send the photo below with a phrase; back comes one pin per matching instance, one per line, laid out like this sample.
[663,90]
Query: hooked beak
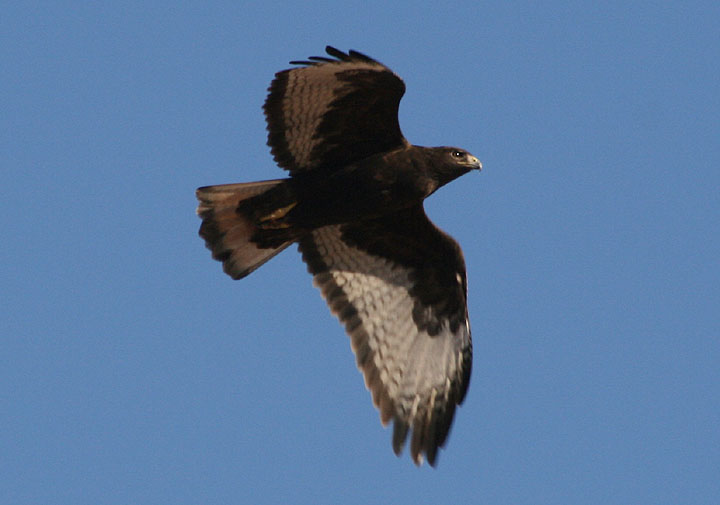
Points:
[475,163]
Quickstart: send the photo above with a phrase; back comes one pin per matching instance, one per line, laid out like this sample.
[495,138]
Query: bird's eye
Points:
[457,154]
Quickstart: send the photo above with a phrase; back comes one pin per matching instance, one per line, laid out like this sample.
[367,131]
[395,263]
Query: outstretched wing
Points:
[333,111]
[398,284]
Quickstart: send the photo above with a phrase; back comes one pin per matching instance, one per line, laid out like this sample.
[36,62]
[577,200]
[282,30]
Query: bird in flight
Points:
[354,205]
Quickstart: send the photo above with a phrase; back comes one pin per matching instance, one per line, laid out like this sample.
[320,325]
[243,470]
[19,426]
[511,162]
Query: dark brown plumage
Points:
[353,204]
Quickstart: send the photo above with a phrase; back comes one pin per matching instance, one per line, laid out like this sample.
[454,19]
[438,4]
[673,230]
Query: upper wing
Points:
[332,112]
[399,286]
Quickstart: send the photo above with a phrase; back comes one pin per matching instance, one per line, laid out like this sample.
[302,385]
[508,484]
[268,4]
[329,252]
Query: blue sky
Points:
[133,371]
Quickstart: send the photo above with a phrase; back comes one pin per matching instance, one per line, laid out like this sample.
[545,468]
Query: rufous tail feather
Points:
[231,225]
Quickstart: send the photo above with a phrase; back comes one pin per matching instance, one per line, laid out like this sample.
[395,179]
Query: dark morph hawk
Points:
[354,205]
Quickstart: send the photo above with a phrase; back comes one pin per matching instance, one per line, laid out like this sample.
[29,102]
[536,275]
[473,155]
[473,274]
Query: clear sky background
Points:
[132,370]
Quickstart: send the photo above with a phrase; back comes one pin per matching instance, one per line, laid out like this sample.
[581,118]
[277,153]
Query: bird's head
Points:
[449,163]
[462,158]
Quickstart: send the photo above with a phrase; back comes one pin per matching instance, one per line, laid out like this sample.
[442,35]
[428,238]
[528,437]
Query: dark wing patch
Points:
[333,111]
[411,339]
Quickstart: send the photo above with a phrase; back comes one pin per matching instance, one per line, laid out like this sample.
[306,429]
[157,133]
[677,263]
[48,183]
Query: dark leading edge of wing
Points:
[331,112]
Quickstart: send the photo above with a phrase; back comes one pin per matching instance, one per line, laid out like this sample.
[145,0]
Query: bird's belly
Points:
[344,203]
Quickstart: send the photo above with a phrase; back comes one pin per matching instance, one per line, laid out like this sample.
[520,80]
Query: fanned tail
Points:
[238,224]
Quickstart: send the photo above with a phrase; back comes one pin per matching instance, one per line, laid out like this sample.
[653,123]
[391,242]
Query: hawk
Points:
[354,205]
